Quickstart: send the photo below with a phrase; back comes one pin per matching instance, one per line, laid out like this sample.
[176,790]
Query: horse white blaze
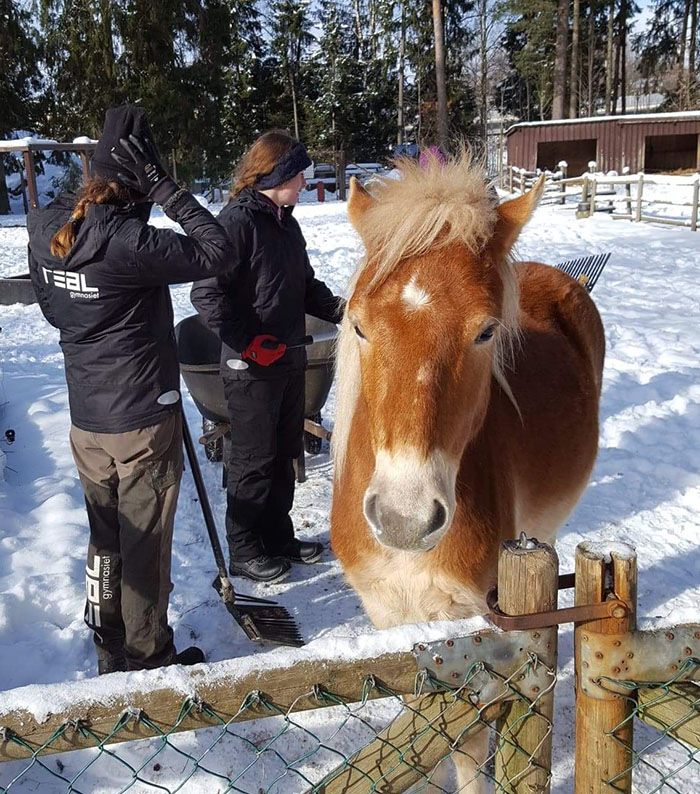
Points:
[415,297]
[410,501]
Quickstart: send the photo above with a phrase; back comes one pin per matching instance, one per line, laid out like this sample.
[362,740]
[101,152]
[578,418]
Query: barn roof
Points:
[646,117]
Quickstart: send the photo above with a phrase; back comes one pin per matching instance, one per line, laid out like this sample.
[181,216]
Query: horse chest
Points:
[404,587]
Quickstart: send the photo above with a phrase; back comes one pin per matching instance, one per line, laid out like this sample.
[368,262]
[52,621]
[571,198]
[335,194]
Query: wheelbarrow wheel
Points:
[313,444]
[213,450]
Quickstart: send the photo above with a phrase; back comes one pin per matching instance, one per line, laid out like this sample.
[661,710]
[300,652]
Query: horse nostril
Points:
[371,512]
[438,518]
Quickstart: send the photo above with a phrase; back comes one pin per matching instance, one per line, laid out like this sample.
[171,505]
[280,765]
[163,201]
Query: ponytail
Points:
[95,191]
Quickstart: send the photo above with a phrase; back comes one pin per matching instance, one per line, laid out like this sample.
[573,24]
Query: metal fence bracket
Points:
[608,661]
[492,664]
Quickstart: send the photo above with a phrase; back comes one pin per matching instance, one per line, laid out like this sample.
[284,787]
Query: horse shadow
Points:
[640,468]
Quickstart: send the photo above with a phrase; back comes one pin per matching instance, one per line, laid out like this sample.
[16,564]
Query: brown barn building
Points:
[649,142]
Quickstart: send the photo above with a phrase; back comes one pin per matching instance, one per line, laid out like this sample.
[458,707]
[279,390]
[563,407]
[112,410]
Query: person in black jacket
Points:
[101,275]
[254,307]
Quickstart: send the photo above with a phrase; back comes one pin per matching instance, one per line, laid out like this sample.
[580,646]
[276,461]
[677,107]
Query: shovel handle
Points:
[203,498]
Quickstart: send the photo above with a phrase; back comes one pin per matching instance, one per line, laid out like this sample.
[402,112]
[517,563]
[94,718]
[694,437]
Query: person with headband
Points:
[258,303]
[101,275]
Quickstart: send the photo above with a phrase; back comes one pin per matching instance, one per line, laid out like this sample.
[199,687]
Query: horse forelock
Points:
[427,208]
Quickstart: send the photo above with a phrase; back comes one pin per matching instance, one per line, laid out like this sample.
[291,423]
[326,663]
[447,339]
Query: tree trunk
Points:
[623,57]
[692,50]
[609,59]
[293,89]
[402,53]
[440,78]
[591,56]
[4,198]
[616,75]
[575,46]
[483,73]
[559,83]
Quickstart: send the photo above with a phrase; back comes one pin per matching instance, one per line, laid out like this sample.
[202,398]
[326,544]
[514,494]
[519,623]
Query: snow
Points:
[644,491]
[648,117]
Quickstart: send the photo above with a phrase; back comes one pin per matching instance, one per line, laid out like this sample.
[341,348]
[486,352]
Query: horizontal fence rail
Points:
[463,712]
[635,197]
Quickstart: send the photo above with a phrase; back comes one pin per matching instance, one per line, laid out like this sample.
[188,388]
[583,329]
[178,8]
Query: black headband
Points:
[287,167]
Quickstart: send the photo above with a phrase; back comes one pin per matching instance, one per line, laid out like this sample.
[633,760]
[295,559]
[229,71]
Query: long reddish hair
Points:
[261,158]
[95,191]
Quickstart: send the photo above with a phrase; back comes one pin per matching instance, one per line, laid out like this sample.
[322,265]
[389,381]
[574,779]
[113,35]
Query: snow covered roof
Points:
[649,117]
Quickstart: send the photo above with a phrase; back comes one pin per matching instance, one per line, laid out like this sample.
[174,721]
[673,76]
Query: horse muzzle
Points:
[409,503]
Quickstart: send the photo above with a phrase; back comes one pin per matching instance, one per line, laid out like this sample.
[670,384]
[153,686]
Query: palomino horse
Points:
[467,395]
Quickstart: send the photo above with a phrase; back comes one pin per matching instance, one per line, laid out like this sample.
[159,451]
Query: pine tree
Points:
[81,80]
[290,38]
[18,58]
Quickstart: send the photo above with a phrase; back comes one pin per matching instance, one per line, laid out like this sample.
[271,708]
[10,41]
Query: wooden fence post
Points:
[510,178]
[563,167]
[694,210]
[603,721]
[528,574]
[640,189]
[30,175]
[591,206]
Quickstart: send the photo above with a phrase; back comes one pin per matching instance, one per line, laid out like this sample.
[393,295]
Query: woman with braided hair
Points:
[101,275]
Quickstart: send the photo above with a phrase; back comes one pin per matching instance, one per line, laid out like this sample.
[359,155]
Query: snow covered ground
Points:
[645,490]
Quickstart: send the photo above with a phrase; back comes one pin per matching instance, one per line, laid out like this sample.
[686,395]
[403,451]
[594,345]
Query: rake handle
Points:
[203,498]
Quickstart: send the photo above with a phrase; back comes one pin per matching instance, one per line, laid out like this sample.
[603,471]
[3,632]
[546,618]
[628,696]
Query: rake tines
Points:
[260,619]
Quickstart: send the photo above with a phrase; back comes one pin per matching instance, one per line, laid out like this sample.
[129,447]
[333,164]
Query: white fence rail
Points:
[670,200]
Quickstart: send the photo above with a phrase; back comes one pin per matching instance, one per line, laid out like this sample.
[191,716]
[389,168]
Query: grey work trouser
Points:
[131,482]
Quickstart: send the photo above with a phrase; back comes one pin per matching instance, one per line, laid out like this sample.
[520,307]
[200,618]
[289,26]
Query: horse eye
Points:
[359,333]
[485,335]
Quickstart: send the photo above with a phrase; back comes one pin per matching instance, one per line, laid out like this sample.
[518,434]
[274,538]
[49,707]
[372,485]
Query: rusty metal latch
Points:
[611,608]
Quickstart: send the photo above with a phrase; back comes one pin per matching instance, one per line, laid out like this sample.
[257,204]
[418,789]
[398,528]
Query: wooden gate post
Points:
[603,750]
[528,574]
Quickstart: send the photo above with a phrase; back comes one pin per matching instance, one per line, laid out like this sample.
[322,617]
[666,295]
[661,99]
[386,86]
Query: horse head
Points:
[432,313]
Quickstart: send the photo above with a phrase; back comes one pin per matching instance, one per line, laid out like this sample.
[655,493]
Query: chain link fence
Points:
[666,751]
[386,741]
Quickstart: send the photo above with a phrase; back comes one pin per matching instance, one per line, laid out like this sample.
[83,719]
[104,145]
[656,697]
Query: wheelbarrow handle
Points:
[303,341]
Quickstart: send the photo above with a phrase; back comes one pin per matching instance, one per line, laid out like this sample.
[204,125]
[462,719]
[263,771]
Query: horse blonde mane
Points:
[428,207]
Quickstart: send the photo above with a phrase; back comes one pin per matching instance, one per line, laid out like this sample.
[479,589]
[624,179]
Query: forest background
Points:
[353,75]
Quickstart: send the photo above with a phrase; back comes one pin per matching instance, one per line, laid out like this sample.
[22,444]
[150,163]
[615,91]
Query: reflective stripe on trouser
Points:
[131,482]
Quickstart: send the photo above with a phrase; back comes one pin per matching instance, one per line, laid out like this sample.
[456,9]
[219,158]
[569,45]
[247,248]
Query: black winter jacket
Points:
[267,288]
[110,300]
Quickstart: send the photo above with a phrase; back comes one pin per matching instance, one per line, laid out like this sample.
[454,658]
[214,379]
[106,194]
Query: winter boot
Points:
[191,655]
[110,662]
[306,552]
[262,568]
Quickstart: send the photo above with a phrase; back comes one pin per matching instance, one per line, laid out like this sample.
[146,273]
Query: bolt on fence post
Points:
[528,573]
[603,723]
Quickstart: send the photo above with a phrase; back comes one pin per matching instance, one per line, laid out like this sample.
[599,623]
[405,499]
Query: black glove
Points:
[143,170]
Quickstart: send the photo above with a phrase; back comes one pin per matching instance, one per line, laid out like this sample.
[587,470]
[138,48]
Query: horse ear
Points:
[514,214]
[358,202]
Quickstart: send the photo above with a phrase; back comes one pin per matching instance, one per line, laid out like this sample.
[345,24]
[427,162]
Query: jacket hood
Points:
[93,231]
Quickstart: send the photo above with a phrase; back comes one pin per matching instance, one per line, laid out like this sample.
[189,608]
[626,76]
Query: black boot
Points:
[261,569]
[191,655]
[110,662]
[301,551]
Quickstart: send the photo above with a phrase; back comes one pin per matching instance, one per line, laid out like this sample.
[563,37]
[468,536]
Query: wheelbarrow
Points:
[199,351]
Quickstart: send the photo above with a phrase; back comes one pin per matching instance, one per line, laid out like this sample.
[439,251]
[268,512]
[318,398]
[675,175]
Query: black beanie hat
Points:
[287,167]
[120,122]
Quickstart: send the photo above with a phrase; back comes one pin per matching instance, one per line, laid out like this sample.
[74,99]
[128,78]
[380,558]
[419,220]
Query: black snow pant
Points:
[131,482]
[267,423]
